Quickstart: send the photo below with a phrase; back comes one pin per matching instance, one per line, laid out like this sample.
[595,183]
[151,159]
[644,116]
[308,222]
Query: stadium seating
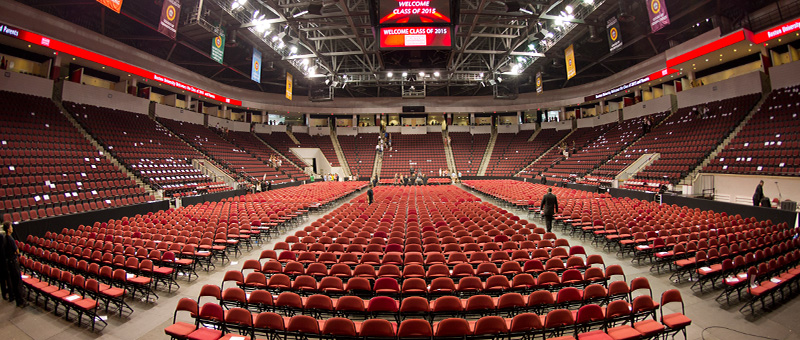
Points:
[148,150]
[575,141]
[424,153]
[250,143]
[359,151]
[50,169]
[670,138]
[769,144]
[468,150]
[603,148]
[235,159]
[512,152]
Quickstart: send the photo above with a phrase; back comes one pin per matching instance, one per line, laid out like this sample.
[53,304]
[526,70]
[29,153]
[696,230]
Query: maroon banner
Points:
[657,11]
[76,76]
[144,92]
[170,12]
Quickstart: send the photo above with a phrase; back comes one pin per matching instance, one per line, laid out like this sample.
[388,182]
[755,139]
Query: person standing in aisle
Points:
[4,284]
[549,208]
[11,253]
[370,194]
[759,194]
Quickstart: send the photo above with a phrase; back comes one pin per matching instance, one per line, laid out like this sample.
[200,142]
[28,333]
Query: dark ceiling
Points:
[350,49]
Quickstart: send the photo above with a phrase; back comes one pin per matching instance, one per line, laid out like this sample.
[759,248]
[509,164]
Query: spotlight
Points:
[405,74]
[389,75]
[436,74]
[421,74]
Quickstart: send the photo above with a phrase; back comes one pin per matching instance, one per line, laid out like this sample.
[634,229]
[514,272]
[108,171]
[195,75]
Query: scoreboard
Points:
[415,24]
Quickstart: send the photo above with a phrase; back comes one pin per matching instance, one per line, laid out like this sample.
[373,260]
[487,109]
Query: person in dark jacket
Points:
[4,284]
[10,253]
[549,208]
[759,194]
[370,194]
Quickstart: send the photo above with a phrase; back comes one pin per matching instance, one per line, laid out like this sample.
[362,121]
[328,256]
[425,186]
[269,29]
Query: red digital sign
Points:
[414,11]
[415,37]
[59,46]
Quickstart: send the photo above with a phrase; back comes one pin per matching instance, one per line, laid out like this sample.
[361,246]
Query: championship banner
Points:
[569,55]
[289,86]
[170,12]
[255,70]
[114,5]
[539,87]
[657,11]
[614,36]
[218,48]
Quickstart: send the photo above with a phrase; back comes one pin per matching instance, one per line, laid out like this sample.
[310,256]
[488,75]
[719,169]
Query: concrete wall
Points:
[323,165]
[785,75]
[259,128]
[481,129]
[734,87]
[24,83]
[413,130]
[181,115]
[369,129]
[649,107]
[346,131]
[527,126]
[598,120]
[319,131]
[458,128]
[513,128]
[96,96]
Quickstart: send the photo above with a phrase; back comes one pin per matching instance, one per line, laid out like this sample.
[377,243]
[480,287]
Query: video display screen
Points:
[415,37]
[414,12]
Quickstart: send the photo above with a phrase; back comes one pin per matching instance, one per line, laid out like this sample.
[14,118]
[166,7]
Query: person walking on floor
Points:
[370,194]
[549,208]
[759,194]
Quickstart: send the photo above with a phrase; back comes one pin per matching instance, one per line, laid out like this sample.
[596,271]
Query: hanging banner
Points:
[569,55]
[255,70]
[218,48]
[168,25]
[614,37]
[114,5]
[289,86]
[657,11]
[539,87]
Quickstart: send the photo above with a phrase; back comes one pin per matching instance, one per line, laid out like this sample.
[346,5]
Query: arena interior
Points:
[379,169]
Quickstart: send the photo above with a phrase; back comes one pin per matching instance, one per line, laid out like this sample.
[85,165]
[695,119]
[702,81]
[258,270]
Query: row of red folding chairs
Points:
[144,283]
[656,246]
[189,254]
[776,279]
[161,267]
[682,256]
[511,303]
[619,320]
[675,236]
[450,258]
[494,284]
[714,266]
[73,292]
[428,244]
[627,243]
[368,270]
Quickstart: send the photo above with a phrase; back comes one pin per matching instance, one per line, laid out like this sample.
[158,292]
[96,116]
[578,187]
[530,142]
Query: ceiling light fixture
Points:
[526,11]
[303,12]
[389,75]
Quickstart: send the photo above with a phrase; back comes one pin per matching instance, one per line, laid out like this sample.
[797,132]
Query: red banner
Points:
[114,5]
[170,12]
[657,11]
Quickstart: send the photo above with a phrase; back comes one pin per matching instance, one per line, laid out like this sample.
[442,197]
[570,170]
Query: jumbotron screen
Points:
[414,12]
[415,37]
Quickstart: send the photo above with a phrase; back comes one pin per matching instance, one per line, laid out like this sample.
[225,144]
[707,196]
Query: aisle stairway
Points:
[694,174]
[158,194]
[339,153]
[448,152]
[487,155]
